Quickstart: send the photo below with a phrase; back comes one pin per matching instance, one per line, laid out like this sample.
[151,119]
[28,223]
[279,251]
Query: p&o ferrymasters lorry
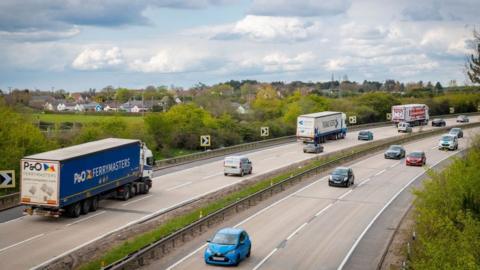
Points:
[72,180]
[414,114]
[321,125]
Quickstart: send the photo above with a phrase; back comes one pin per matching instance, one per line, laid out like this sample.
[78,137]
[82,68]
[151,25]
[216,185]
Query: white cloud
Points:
[335,64]
[97,59]
[275,62]
[41,35]
[171,61]
[266,28]
[299,7]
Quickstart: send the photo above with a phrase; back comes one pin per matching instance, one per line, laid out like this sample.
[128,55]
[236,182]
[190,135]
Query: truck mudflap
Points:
[42,212]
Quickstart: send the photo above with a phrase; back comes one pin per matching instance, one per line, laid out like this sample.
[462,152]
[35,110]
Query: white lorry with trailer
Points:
[322,125]
[71,181]
[413,114]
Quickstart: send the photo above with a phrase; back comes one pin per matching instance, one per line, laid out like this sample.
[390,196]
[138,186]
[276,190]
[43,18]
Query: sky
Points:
[80,44]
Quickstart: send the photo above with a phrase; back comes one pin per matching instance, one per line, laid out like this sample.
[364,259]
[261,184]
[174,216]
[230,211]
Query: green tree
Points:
[473,65]
[123,95]
[19,138]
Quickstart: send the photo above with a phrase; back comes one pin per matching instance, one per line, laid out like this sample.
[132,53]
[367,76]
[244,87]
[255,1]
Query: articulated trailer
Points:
[321,126]
[72,180]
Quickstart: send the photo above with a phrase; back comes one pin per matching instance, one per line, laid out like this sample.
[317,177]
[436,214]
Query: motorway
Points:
[317,226]
[44,239]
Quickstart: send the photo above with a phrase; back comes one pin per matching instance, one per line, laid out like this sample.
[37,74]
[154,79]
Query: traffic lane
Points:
[20,237]
[213,171]
[325,242]
[198,260]
[291,213]
[62,237]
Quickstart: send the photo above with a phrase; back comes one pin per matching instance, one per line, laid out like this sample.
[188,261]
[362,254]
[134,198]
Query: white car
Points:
[404,127]
[449,142]
[237,165]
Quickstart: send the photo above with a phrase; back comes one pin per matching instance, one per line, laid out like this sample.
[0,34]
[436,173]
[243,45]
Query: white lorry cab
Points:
[238,165]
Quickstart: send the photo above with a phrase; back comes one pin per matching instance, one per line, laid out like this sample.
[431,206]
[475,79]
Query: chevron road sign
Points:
[264,132]
[7,179]
[205,140]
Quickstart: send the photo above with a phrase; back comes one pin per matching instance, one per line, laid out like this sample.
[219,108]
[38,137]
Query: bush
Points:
[448,217]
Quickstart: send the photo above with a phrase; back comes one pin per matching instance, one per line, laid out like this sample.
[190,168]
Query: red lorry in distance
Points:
[414,114]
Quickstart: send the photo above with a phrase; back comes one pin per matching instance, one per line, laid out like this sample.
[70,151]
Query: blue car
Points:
[228,247]
[365,135]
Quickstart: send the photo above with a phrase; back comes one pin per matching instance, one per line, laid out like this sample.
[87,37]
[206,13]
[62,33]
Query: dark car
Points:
[228,247]
[438,122]
[462,119]
[395,152]
[341,176]
[365,135]
[312,148]
[417,158]
[457,132]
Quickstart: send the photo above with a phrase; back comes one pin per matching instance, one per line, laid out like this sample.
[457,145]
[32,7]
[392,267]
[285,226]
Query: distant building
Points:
[110,107]
[40,102]
[136,106]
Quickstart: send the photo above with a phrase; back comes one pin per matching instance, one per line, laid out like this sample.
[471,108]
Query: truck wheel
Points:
[133,191]
[241,173]
[126,194]
[147,189]
[73,210]
[85,206]
[94,204]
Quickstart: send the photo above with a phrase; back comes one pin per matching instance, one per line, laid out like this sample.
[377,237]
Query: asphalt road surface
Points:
[44,239]
[317,227]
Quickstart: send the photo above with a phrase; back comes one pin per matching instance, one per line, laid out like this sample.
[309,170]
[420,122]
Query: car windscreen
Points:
[340,171]
[225,239]
[395,148]
[363,133]
[416,154]
[454,130]
[447,138]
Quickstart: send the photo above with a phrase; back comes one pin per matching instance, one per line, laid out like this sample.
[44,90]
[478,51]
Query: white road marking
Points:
[355,244]
[186,257]
[83,219]
[297,230]
[213,175]
[345,194]
[323,210]
[246,220]
[265,259]
[158,211]
[15,219]
[380,172]
[393,165]
[364,182]
[435,147]
[179,186]
[21,242]
[137,200]
[274,148]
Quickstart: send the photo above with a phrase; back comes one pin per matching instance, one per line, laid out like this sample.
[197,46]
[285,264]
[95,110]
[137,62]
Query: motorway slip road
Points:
[45,239]
[317,227]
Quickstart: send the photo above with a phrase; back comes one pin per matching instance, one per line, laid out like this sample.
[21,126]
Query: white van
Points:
[404,127]
[238,165]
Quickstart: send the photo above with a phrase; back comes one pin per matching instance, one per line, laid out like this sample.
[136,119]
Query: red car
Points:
[417,158]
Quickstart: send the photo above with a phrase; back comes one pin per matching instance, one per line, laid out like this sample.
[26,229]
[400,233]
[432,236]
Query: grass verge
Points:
[180,222]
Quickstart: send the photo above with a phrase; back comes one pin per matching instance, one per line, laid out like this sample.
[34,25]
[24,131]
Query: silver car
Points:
[237,165]
[312,148]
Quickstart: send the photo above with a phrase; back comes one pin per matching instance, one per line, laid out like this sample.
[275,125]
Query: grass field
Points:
[82,118]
